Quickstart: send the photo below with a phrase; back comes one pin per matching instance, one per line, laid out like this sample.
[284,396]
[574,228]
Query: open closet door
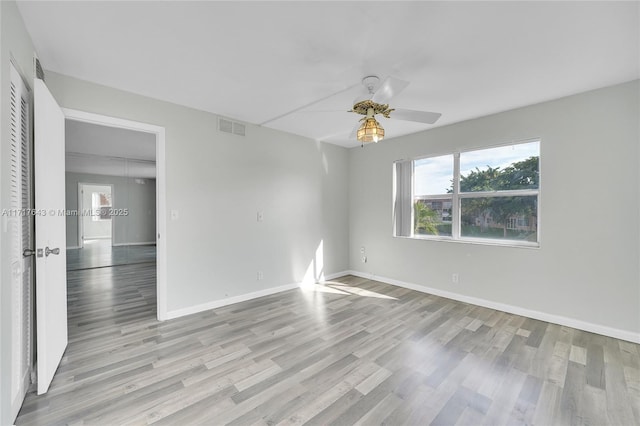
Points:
[51,273]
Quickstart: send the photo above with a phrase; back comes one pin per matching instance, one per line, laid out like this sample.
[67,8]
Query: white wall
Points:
[138,226]
[15,43]
[217,182]
[586,269]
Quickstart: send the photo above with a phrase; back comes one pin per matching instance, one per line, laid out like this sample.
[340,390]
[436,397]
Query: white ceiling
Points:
[103,150]
[255,61]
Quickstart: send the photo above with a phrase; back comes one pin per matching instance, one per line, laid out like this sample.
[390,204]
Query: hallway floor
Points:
[100,253]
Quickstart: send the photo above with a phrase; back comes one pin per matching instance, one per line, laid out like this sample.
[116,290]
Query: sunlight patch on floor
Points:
[341,288]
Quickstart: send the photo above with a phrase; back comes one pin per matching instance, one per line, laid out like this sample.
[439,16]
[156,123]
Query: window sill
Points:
[476,241]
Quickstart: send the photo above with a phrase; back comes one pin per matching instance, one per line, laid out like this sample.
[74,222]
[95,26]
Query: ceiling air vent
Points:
[232,127]
[225,125]
[238,129]
[37,66]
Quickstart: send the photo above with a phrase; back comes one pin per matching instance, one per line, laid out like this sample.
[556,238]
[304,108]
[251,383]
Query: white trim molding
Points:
[244,297]
[229,301]
[148,243]
[335,275]
[517,310]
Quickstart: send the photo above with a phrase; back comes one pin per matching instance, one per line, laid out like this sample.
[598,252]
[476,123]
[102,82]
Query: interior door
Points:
[51,273]
[19,231]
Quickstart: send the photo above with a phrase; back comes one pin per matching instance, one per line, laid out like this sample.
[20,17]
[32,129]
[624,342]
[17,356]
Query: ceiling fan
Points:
[376,101]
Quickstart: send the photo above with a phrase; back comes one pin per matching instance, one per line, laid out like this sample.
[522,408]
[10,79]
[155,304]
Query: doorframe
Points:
[81,208]
[161,187]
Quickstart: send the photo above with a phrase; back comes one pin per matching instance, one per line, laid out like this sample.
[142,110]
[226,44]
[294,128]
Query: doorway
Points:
[95,203]
[113,214]
[137,186]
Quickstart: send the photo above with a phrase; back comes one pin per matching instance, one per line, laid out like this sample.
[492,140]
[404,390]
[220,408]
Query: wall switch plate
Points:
[260,276]
[455,278]
[260,216]
[175,215]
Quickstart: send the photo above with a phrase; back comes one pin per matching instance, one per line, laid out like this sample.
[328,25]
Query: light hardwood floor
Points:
[352,351]
[100,253]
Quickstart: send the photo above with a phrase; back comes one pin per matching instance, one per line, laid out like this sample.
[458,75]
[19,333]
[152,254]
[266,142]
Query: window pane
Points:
[433,175]
[432,217]
[498,169]
[101,206]
[504,218]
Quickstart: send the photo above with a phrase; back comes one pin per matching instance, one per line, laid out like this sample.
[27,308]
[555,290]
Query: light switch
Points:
[174,215]
[260,216]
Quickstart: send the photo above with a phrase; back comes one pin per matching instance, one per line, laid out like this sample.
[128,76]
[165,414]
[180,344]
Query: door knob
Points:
[48,251]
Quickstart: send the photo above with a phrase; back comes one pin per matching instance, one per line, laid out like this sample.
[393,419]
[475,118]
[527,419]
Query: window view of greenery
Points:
[497,194]
[432,208]
[511,218]
[433,217]
[502,215]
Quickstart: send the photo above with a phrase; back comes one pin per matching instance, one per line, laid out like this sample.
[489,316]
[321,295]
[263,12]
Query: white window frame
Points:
[456,196]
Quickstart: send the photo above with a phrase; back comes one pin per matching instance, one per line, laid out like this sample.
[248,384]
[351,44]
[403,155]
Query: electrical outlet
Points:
[362,250]
[260,276]
[364,259]
[455,278]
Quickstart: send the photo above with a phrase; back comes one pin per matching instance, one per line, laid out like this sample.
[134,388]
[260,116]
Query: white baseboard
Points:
[229,301]
[333,276]
[16,404]
[243,297]
[542,316]
[150,243]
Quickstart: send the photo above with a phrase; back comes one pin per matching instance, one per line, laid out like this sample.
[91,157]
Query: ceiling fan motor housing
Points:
[371,82]
[365,107]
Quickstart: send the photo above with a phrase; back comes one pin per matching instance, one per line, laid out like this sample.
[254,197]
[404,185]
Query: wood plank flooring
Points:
[352,351]
[100,253]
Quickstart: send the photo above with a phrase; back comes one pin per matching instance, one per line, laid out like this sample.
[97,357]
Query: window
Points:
[432,198]
[488,195]
[101,206]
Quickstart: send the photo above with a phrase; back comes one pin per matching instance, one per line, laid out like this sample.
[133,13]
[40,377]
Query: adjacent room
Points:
[110,191]
[421,213]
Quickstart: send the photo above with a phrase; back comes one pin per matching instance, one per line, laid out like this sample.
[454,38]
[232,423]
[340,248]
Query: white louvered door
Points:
[19,228]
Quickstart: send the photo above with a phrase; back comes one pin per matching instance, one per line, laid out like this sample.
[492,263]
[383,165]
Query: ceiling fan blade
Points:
[412,115]
[389,88]
[314,111]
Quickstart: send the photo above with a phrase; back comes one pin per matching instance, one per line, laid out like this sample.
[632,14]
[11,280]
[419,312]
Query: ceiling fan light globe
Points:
[370,131]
